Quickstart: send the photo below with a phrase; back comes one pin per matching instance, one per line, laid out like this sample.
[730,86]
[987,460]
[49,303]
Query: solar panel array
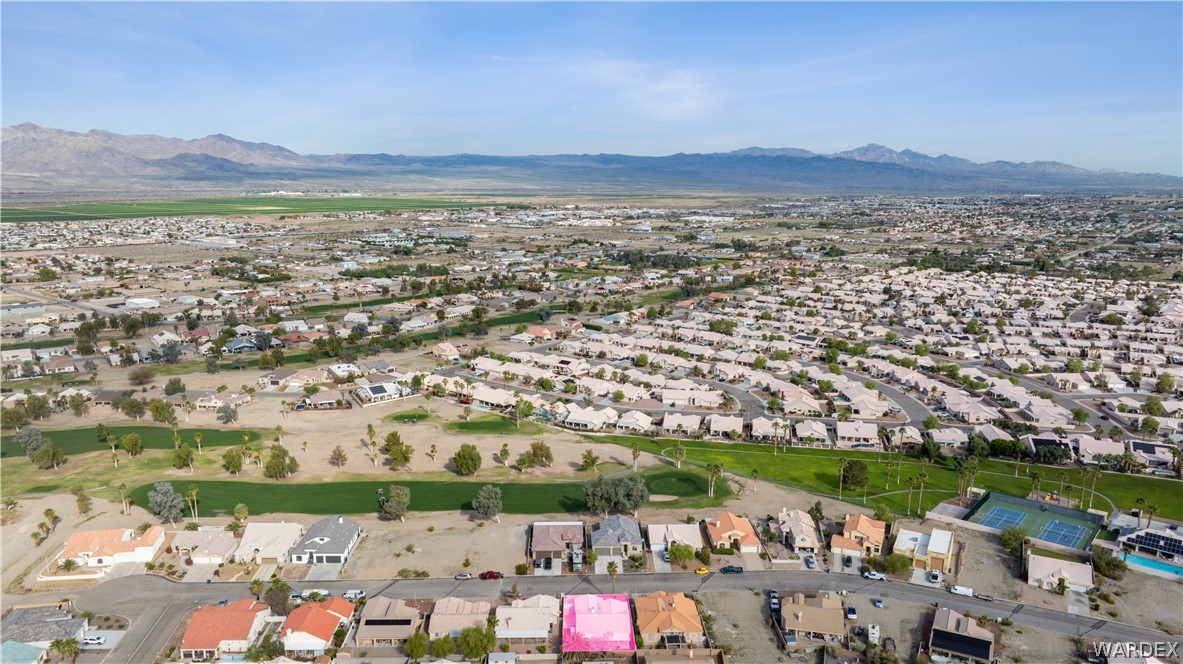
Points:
[377,389]
[1158,542]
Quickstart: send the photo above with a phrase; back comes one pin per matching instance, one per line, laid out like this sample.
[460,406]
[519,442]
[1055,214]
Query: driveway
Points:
[1078,603]
[124,569]
[324,572]
[602,564]
[660,566]
[200,573]
[752,561]
[855,563]
[920,578]
[112,635]
[556,568]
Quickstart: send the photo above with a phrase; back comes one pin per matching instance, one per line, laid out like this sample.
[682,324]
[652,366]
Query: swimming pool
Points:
[1153,563]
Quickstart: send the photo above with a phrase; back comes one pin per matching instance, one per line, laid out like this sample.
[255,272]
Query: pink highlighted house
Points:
[597,623]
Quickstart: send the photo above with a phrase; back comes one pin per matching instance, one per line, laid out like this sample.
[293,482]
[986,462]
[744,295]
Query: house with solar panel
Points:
[1158,547]
[959,638]
[380,393]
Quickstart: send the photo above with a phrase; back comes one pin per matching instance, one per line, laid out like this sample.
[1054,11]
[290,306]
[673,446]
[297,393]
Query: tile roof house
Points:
[530,619]
[386,622]
[104,548]
[869,532]
[806,617]
[597,623]
[554,539]
[206,546]
[215,631]
[797,530]
[268,543]
[1044,572]
[618,535]
[731,531]
[451,615]
[40,625]
[669,618]
[309,628]
[662,535]
[955,636]
[329,540]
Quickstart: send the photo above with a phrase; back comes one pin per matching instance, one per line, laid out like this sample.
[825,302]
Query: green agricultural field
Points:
[492,424]
[218,497]
[82,440]
[816,471]
[220,206]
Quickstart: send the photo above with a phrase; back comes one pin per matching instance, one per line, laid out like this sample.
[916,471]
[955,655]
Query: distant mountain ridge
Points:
[37,158]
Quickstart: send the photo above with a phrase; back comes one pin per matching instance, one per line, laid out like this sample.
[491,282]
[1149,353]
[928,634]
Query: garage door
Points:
[917,563]
[329,559]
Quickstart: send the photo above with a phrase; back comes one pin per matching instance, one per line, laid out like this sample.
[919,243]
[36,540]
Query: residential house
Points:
[928,551]
[869,533]
[856,435]
[268,543]
[215,632]
[329,540]
[811,431]
[725,425]
[1048,573]
[206,547]
[733,532]
[806,618]
[959,638]
[15,652]
[618,535]
[662,536]
[681,424]
[528,620]
[40,625]
[797,530]
[634,421]
[309,628]
[555,539]
[950,437]
[386,622]
[104,548]
[670,620]
[451,615]
[597,623]
[446,352]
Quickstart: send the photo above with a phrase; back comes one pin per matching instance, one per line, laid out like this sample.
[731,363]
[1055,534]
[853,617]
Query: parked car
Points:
[353,595]
[732,569]
[877,603]
[547,563]
[773,601]
[537,563]
[934,576]
[875,576]
[94,640]
[463,576]
[984,598]
[702,571]
[851,613]
[810,562]
[223,602]
[491,575]
[665,555]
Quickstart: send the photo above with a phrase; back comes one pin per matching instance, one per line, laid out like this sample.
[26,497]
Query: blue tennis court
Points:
[1058,532]
[1000,517]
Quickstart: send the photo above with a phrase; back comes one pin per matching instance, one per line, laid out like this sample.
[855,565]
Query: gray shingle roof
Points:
[42,623]
[337,532]
[615,530]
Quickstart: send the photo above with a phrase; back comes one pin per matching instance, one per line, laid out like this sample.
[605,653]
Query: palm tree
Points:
[123,498]
[842,464]
[755,478]
[1036,480]
[911,484]
[68,648]
[636,449]
[1151,511]
[43,528]
[279,434]
[1140,502]
[613,570]
[257,587]
[714,471]
[191,498]
[176,440]
[971,467]
[921,479]
[1092,473]
[197,439]
[51,517]
[113,442]
[1063,476]
[434,450]
[962,476]
[69,564]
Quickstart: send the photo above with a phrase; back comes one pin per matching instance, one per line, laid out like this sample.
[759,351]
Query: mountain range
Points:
[40,160]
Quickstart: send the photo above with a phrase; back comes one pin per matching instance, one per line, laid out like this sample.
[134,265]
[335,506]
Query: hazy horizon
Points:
[1095,85]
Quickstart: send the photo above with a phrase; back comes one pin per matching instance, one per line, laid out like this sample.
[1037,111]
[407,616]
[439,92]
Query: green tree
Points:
[1012,539]
[241,512]
[1148,427]
[467,459]
[589,460]
[681,554]
[487,503]
[397,502]
[931,422]
[183,457]
[280,463]
[539,454]
[417,646]
[678,453]
[337,457]
[278,596]
[476,642]
[442,647]
[166,503]
[49,456]
[1165,383]
[400,453]
[897,563]
[132,444]
[232,461]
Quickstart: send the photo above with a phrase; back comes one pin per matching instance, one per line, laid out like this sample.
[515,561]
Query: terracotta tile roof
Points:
[867,527]
[211,625]
[728,527]
[106,543]
[320,619]
[667,612]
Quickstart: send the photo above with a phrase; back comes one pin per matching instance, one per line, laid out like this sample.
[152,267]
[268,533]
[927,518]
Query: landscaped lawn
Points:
[816,471]
[408,416]
[493,424]
[218,497]
[82,440]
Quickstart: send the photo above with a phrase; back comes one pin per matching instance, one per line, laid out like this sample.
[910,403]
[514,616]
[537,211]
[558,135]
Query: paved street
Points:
[157,606]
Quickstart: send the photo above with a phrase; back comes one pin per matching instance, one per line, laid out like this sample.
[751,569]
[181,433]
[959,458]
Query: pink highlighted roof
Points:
[597,623]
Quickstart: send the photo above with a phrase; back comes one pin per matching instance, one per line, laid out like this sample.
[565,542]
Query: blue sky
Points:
[1092,84]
